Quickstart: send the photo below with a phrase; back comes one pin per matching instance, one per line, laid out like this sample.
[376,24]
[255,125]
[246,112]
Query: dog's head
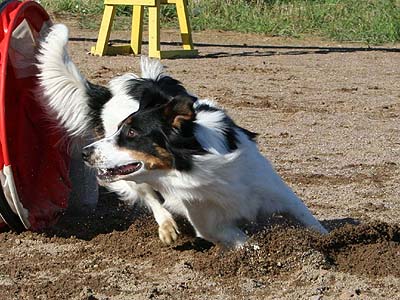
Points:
[158,136]
[129,93]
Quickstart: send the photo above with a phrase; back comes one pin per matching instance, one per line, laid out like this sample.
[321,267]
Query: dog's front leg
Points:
[167,228]
[131,192]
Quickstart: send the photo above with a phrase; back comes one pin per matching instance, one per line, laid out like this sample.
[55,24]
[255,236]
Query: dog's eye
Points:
[131,133]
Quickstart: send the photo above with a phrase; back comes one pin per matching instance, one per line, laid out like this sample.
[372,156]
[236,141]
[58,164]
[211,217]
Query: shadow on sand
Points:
[257,50]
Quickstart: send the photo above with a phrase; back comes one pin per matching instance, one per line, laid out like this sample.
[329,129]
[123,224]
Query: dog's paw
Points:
[168,232]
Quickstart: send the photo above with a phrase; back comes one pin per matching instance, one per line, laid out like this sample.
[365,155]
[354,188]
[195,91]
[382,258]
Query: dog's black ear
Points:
[179,110]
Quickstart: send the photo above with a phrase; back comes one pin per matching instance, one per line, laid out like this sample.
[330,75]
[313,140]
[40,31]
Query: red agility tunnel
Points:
[34,163]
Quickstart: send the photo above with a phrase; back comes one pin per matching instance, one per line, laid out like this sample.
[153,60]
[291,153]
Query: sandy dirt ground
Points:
[327,117]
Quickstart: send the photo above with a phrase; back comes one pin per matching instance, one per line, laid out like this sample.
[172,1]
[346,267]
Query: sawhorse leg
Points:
[105,30]
[184,24]
[154,31]
[137,29]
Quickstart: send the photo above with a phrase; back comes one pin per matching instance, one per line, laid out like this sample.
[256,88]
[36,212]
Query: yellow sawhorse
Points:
[103,48]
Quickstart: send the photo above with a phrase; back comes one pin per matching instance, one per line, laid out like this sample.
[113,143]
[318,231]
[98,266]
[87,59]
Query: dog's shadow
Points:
[108,216]
[337,223]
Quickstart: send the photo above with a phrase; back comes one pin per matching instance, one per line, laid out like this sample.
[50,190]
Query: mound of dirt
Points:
[368,249]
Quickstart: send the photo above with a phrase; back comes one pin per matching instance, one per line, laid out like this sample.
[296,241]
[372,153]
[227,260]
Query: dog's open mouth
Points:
[107,174]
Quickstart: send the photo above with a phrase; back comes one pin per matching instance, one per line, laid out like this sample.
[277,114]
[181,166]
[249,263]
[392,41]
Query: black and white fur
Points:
[83,108]
[155,136]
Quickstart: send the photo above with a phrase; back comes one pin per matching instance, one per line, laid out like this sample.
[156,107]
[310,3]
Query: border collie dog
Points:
[153,135]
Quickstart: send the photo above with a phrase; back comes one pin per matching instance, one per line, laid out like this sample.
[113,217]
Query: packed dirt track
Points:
[328,119]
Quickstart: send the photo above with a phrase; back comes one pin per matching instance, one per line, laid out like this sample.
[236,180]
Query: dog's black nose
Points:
[86,153]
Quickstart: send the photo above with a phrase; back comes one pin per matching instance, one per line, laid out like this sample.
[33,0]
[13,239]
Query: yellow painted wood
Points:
[131,2]
[183,18]
[155,54]
[137,29]
[154,31]
[102,47]
[105,30]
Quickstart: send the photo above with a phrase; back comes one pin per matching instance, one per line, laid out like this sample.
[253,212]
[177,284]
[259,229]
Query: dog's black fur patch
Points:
[151,93]
[98,97]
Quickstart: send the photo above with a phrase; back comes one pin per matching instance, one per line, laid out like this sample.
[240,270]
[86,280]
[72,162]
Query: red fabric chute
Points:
[34,164]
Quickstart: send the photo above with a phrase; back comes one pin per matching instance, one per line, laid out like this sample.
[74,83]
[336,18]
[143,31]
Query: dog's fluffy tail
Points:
[66,94]
[151,68]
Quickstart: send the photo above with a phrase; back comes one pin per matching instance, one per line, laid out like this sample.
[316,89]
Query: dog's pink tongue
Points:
[128,168]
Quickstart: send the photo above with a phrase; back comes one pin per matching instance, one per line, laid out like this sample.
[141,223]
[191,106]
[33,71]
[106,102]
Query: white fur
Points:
[121,104]
[225,188]
[210,130]
[222,187]
[65,89]
[110,153]
[151,68]
[129,191]
[66,100]
[63,86]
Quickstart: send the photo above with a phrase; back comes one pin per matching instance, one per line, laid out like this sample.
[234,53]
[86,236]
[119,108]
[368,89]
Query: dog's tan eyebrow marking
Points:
[99,132]
[129,120]
[126,121]
[150,161]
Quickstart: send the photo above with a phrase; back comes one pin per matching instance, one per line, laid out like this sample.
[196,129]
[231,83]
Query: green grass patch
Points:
[370,21]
